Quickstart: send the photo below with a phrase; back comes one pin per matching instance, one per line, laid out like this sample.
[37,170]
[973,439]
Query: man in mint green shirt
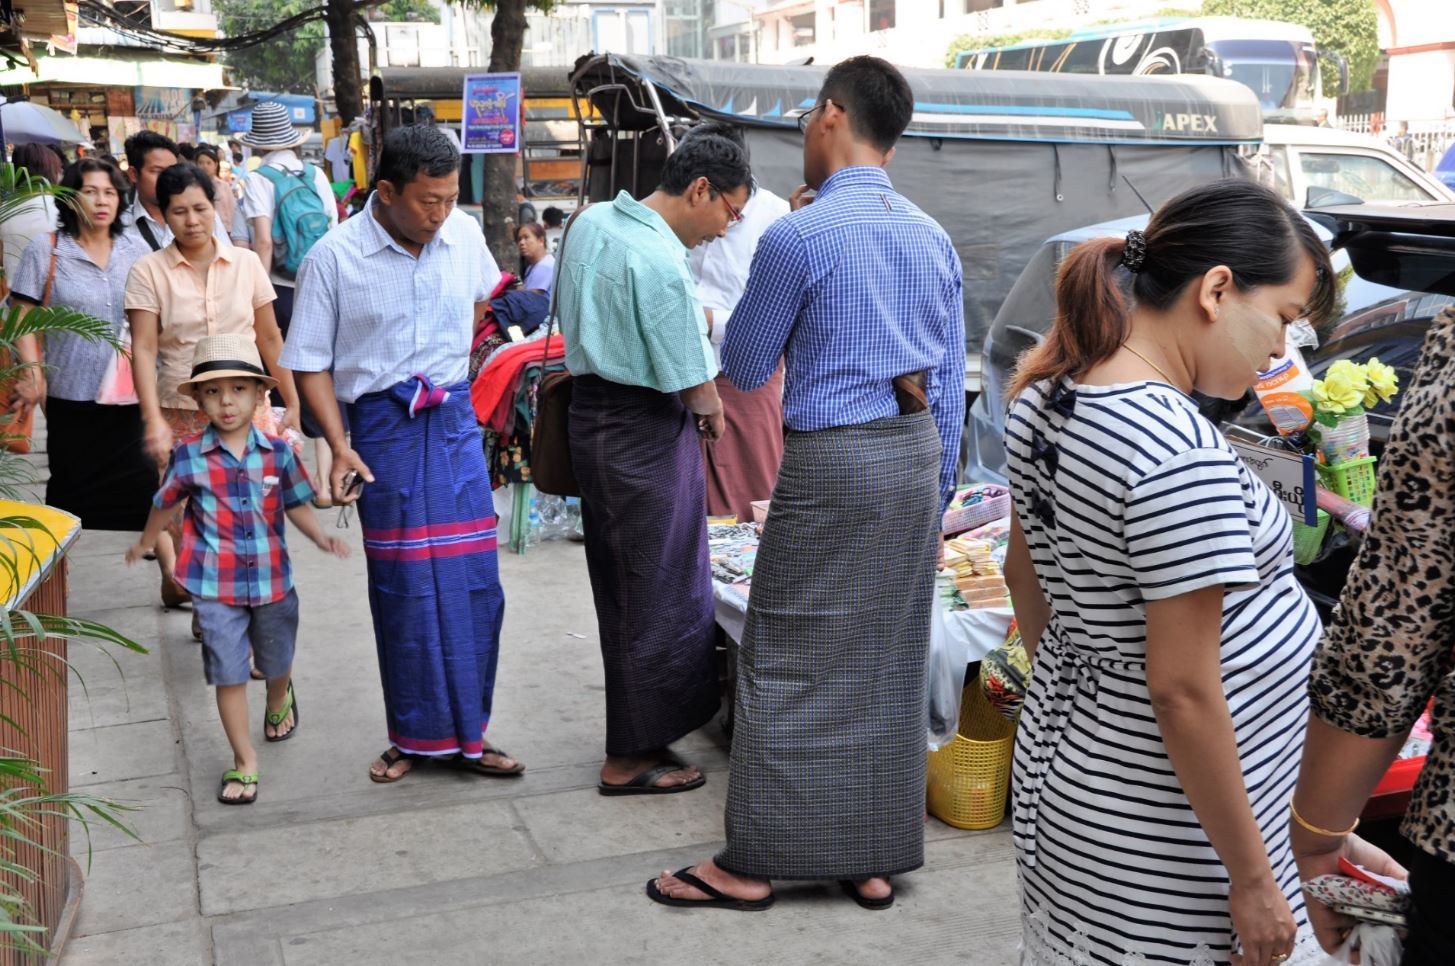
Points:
[637,345]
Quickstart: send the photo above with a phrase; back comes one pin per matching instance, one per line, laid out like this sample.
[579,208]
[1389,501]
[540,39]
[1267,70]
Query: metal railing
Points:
[1425,144]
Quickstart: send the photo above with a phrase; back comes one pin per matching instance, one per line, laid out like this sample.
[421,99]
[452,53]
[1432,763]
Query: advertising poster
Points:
[490,114]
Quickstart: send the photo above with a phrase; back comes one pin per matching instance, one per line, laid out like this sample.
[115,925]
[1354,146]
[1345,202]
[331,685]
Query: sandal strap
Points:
[686,876]
[393,756]
[233,775]
[276,718]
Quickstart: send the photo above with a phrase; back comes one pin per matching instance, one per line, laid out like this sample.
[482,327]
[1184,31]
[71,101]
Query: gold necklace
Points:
[1170,381]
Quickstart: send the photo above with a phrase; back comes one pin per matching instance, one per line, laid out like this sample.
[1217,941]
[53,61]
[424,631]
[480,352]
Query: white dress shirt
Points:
[721,266]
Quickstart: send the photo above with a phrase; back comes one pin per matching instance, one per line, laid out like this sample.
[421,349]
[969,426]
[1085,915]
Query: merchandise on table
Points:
[972,559]
[974,506]
[1005,673]
[733,548]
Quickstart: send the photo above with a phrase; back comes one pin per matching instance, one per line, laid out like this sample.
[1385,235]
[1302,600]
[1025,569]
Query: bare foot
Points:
[737,886]
[235,791]
[876,888]
[389,768]
[620,771]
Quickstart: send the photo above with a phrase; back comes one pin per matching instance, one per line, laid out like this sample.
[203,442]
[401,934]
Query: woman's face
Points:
[99,199]
[208,165]
[1249,332]
[190,216]
[532,249]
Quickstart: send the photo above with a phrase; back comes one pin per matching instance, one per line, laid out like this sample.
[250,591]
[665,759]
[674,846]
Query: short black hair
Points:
[722,129]
[177,179]
[187,151]
[142,143]
[709,156]
[553,217]
[875,95]
[67,217]
[414,148]
[207,151]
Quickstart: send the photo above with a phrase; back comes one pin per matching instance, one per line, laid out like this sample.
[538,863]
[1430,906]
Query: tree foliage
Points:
[402,10]
[1350,27]
[284,63]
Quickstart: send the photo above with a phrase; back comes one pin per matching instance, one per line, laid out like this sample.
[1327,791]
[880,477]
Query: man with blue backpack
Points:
[289,205]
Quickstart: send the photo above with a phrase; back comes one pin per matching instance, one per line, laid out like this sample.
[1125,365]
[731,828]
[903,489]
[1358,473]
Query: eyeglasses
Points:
[734,216]
[803,118]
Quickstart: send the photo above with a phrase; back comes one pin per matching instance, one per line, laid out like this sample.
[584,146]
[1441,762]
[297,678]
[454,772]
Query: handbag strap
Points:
[50,274]
[556,288]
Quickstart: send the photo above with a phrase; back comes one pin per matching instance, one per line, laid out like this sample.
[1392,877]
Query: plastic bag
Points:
[1378,946]
[944,680]
[554,517]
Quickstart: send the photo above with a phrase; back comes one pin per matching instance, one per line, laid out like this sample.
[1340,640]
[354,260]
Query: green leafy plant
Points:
[27,795]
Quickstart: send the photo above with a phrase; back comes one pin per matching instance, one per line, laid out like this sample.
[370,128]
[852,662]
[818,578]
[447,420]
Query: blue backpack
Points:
[299,217]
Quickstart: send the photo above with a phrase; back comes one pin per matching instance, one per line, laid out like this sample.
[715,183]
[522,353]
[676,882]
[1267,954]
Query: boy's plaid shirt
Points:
[232,539]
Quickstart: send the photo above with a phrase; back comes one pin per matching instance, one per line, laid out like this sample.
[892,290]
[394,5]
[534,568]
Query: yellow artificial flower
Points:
[1383,382]
[1338,392]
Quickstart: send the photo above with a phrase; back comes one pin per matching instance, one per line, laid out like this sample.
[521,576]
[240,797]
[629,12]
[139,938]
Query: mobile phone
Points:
[352,482]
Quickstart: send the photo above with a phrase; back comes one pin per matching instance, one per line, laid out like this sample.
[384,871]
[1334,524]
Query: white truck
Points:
[1295,157]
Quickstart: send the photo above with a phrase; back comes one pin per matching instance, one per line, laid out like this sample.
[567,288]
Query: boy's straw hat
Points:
[223,357]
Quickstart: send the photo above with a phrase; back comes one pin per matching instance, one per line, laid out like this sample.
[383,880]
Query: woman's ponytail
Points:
[1091,316]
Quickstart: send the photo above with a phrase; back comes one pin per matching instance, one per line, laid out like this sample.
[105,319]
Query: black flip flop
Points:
[391,757]
[477,766]
[719,900]
[645,783]
[852,891]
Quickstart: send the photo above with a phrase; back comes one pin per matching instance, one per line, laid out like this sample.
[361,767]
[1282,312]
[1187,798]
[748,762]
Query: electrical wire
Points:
[103,15]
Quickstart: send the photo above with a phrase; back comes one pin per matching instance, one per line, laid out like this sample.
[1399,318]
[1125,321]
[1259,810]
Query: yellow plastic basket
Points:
[1353,480]
[969,777]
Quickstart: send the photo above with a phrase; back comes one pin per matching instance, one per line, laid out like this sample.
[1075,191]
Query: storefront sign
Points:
[1289,475]
[240,122]
[491,114]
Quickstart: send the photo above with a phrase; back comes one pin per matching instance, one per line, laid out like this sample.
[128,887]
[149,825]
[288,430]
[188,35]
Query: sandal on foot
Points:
[390,758]
[276,718]
[246,781]
[646,782]
[718,900]
[477,766]
[851,889]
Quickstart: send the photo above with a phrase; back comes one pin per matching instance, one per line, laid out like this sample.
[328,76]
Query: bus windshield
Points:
[1280,72]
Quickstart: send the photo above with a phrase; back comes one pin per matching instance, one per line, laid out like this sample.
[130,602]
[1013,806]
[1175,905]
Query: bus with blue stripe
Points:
[1277,61]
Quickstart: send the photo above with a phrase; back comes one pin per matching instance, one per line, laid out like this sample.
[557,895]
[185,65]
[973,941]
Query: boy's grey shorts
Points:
[228,630]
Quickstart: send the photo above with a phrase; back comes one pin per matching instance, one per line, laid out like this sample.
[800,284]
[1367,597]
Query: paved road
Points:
[329,868]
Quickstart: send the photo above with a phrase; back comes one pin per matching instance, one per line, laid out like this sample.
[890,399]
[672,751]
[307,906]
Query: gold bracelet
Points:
[1315,829]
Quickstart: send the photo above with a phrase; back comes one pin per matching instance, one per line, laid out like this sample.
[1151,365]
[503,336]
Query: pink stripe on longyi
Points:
[427,530]
[431,551]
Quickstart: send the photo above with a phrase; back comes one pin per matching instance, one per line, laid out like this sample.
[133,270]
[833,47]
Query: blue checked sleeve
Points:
[176,481]
[297,490]
[758,331]
[947,392]
[314,326]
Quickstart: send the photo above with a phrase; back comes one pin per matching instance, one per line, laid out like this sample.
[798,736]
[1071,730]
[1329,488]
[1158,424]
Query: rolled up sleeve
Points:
[314,327]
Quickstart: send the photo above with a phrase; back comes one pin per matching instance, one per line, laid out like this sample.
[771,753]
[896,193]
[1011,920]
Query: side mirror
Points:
[1341,64]
[1328,198]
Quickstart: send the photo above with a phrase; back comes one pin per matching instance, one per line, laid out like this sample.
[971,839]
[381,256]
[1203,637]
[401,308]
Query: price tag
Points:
[1289,475]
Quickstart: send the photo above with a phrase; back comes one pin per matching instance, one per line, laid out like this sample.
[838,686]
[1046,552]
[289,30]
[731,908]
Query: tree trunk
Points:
[342,43]
[507,37]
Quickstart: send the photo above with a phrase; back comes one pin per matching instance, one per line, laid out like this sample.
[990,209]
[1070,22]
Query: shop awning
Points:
[108,72]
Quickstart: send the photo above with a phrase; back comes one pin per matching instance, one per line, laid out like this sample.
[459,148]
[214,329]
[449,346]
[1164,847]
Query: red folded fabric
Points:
[494,389]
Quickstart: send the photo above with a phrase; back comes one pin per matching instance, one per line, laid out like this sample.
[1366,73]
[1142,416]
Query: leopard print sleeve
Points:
[1391,645]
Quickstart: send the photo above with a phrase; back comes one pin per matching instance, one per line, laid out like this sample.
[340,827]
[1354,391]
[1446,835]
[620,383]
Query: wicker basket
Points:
[969,777]
[1309,540]
[1353,480]
[978,514]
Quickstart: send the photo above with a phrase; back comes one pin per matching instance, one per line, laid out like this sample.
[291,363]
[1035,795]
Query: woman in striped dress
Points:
[1152,575]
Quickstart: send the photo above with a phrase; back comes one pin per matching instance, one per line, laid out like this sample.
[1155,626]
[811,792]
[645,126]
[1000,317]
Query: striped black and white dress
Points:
[1127,494]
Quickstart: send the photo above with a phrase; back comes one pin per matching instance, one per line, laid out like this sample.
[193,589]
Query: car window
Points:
[1364,176]
[1270,167]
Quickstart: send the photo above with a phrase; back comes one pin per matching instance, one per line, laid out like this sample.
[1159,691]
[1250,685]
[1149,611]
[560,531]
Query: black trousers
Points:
[1431,940]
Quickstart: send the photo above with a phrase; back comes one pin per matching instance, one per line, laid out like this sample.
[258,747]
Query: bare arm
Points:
[703,400]
[1032,613]
[145,330]
[147,542]
[317,388]
[307,523]
[30,387]
[263,240]
[1184,680]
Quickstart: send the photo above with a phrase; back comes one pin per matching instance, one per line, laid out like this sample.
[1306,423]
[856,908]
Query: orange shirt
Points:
[191,304]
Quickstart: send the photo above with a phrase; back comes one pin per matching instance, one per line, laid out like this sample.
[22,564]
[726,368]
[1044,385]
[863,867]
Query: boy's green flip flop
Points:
[233,775]
[276,718]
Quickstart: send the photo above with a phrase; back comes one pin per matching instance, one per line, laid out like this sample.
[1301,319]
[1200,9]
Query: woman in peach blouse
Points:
[195,287]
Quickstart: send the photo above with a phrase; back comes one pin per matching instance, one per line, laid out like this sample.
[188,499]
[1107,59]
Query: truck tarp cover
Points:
[1002,159]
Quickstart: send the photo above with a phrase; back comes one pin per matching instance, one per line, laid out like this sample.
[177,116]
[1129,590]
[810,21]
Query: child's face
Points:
[228,403]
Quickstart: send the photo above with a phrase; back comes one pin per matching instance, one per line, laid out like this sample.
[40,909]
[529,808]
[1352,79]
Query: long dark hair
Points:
[1240,224]
[69,217]
[39,160]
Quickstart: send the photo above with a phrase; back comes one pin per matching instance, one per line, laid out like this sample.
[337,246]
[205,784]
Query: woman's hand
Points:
[29,390]
[1263,922]
[159,440]
[1319,855]
[293,419]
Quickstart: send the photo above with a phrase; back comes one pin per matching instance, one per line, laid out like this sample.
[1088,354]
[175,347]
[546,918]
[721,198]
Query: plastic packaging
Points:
[551,517]
[944,680]
[1281,389]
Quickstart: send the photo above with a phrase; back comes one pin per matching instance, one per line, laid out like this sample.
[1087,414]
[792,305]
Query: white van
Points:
[1294,158]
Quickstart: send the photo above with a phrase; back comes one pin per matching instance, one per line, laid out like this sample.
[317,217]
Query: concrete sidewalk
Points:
[441,868]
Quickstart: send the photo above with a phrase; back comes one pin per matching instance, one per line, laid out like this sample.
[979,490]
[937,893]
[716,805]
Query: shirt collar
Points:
[221,253]
[859,174]
[637,211]
[138,210]
[212,441]
[377,238]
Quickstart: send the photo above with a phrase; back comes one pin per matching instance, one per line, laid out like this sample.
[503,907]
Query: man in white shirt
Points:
[148,154]
[743,465]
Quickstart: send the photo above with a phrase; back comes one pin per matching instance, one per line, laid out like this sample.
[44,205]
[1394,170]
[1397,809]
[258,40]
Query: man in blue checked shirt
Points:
[859,293]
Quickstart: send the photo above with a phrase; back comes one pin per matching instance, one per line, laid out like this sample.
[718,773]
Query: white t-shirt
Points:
[260,200]
[35,219]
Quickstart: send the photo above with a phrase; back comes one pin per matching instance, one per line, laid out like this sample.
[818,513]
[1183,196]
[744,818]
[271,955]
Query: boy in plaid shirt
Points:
[239,484]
